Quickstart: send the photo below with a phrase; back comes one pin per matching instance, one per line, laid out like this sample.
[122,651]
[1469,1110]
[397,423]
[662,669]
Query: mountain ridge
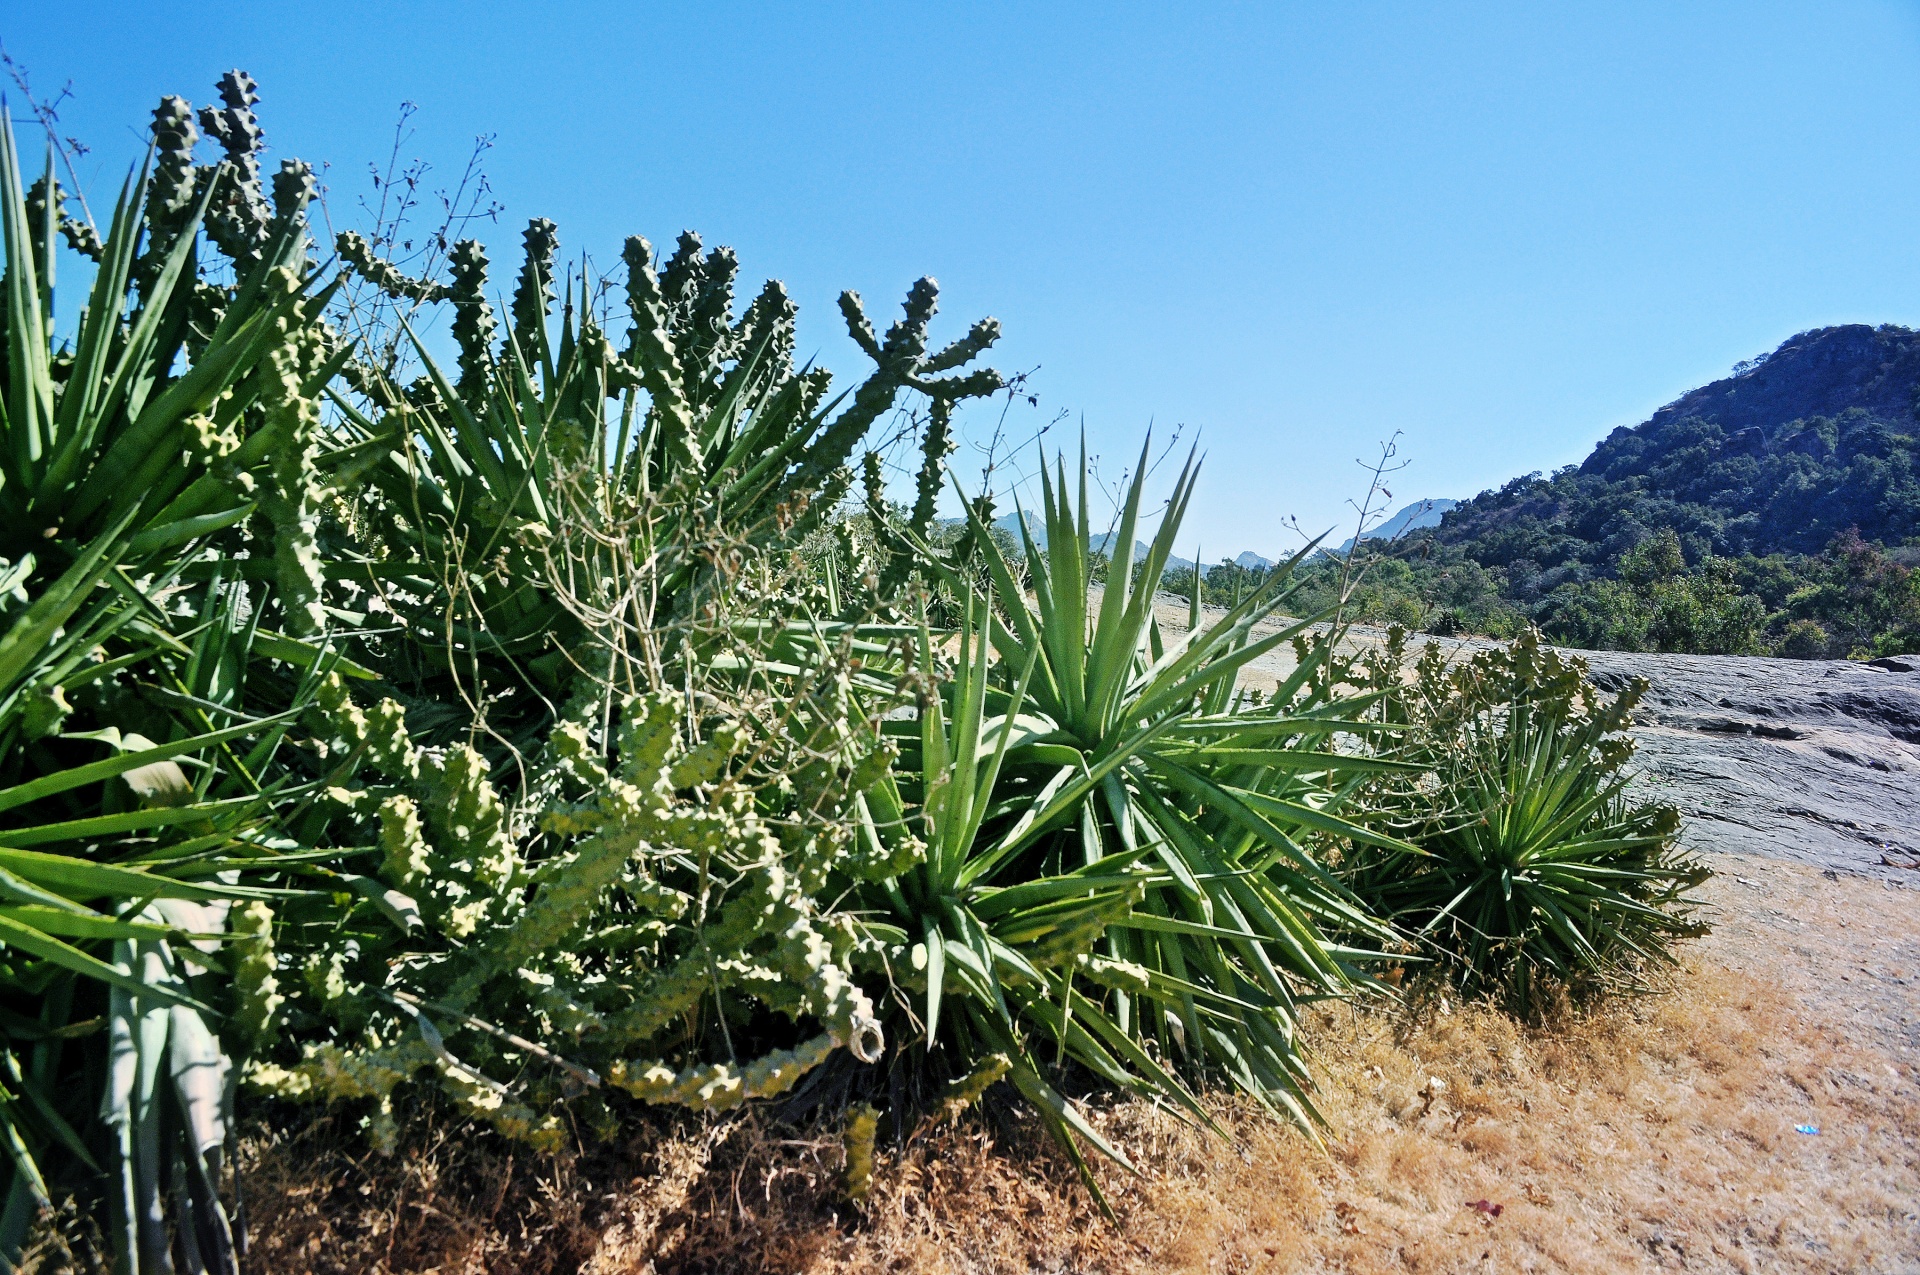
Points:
[1772,510]
[1781,456]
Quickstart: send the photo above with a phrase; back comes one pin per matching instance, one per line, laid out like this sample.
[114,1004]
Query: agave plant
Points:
[1111,852]
[171,437]
[1225,799]
[164,369]
[1540,865]
[1000,958]
[118,875]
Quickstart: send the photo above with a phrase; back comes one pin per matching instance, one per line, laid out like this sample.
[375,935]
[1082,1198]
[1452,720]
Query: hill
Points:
[1773,510]
[1780,457]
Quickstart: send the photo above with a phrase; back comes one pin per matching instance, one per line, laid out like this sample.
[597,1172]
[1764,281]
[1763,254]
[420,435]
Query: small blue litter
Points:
[1806,1128]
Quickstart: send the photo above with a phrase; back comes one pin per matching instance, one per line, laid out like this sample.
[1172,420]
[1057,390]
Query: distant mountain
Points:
[1100,542]
[1414,517]
[1009,522]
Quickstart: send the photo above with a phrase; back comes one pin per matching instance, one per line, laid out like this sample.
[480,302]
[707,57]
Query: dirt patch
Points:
[1661,1133]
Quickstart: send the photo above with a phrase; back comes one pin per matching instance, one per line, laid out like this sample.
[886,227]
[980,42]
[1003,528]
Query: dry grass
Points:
[1659,1134]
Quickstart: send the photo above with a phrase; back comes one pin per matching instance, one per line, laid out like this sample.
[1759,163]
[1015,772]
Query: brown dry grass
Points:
[1658,1134]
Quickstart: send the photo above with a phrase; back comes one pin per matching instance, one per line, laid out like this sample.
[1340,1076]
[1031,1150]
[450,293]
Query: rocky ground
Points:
[1813,761]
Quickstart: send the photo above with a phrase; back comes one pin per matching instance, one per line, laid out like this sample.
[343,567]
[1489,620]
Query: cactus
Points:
[257,989]
[239,219]
[473,324]
[292,496]
[652,350]
[172,186]
[934,448]
[856,1142]
[709,904]
[533,295]
[383,274]
[968,1089]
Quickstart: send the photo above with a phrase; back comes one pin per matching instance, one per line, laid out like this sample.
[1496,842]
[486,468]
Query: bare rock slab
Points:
[1816,761]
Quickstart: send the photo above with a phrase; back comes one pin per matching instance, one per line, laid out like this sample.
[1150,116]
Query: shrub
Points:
[1536,863]
[1121,864]
[1805,640]
[146,680]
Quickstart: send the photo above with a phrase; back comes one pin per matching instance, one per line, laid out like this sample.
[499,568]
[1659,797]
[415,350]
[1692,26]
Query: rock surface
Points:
[1814,761]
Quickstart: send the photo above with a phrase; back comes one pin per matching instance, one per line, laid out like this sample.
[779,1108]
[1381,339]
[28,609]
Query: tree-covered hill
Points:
[1777,509]
[1781,457]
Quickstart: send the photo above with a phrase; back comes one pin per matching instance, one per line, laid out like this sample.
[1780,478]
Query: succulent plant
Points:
[598,932]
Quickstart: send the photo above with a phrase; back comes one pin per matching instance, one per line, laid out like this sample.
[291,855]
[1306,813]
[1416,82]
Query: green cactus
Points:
[295,490]
[710,905]
[383,274]
[171,188]
[533,295]
[681,279]
[407,858]
[239,219]
[856,1142]
[257,998]
[968,1089]
[652,351]
[473,325]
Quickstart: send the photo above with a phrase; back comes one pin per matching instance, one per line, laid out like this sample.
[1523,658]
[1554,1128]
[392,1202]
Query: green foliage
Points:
[144,691]
[1121,861]
[1657,603]
[1857,600]
[1382,585]
[1866,603]
[1779,498]
[1538,867]
[665,884]
[547,735]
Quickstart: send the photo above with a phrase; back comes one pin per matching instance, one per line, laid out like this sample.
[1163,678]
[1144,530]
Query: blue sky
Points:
[1290,230]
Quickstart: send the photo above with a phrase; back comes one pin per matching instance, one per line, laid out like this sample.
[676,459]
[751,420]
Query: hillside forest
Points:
[1773,512]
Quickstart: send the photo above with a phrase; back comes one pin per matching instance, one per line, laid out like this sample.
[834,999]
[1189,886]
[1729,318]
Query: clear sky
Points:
[1290,229]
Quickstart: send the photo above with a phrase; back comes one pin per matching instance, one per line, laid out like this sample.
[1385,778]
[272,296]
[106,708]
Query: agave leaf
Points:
[36,942]
[111,767]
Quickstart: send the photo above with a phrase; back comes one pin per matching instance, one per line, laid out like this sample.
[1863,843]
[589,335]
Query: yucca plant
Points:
[1228,800]
[182,406]
[1000,958]
[1540,865]
[1119,862]
[118,874]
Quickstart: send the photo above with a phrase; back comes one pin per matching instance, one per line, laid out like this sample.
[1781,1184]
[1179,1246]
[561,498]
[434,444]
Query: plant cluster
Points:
[582,724]
[1540,873]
